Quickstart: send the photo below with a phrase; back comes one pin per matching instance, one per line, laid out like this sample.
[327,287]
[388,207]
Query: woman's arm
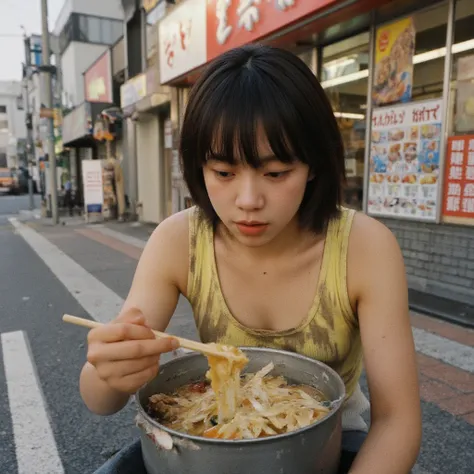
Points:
[125,354]
[376,277]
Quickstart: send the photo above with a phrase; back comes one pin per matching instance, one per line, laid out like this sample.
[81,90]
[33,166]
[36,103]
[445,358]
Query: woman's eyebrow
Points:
[262,159]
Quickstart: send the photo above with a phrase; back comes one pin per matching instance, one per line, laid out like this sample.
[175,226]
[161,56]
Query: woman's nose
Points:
[249,196]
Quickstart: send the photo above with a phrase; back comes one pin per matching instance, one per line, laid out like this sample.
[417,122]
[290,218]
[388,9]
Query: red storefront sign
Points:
[232,23]
[458,199]
[98,80]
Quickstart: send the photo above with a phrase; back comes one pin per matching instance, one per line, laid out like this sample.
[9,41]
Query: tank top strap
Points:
[336,249]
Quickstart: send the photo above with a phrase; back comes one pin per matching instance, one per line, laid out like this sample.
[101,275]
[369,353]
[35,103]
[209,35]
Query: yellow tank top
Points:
[329,333]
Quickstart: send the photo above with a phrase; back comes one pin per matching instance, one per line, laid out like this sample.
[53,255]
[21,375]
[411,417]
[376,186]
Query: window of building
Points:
[106,32]
[83,30]
[461,103]
[3,109]
[94,29]
[117,31]
[3,125]
[90,29]
[20,103]
[344,76]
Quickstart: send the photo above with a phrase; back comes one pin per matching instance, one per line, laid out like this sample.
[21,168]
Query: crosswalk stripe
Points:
[35,446]
[98,300]
[441,348]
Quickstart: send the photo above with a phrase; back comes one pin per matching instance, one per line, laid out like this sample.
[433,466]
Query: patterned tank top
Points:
[330,331]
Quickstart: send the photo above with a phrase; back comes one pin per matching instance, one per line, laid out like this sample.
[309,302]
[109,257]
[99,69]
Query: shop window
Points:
[458,189]
[344,76]
[430,50]
[461,103]
[309,57]
[425,30]
[3,109]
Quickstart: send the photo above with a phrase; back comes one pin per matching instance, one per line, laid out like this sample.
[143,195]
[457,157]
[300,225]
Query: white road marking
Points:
[36,450]
[36,213]
[445,350]
[128,239]
[102,303]
[98,300]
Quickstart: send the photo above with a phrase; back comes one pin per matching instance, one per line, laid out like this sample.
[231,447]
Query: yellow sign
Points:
[148,5]
[58,117]
[46,113]
[97,88]
[394,50]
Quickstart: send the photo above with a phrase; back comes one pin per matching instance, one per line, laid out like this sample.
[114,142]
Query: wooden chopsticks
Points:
[207,349]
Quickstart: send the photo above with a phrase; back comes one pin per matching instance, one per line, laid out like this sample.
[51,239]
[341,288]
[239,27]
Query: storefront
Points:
[400,77]
[99,88]
[146,105]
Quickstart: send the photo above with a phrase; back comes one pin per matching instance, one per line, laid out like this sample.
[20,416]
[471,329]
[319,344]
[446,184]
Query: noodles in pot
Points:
[238,407]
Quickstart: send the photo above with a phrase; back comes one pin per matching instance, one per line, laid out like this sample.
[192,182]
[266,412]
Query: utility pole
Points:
[46,70]
[29,122]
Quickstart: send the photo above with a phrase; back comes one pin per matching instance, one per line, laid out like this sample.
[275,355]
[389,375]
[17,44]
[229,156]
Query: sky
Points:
[13,15]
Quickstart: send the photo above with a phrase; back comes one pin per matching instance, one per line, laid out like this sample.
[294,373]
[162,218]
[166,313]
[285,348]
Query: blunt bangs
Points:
[256,89]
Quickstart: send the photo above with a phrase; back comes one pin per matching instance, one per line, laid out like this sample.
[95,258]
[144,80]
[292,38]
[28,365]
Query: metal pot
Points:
[310,450]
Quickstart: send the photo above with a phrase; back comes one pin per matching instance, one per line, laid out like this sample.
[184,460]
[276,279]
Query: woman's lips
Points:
[251,228]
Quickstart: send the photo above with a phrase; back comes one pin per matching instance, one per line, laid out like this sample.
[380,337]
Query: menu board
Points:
[404,160]
[394,50]
[458,197]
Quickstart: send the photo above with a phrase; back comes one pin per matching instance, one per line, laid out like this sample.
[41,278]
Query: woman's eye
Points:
[223,174]
[277,174]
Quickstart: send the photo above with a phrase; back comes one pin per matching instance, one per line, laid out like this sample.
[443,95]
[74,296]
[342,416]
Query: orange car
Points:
[8,181]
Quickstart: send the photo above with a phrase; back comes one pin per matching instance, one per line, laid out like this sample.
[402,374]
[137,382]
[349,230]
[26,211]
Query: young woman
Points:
[270,257]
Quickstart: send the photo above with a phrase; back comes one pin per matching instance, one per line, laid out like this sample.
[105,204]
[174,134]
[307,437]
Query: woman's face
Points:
[256,205]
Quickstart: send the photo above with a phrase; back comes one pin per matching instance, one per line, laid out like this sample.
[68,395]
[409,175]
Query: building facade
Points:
[86,30]
[146,107]
[399,75]
[12,125]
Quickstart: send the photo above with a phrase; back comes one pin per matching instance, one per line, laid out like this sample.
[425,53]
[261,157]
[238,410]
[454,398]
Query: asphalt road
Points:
[12,205]
[32,301]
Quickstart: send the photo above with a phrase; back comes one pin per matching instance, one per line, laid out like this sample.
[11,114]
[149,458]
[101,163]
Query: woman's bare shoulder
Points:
[365,230]
[168,247]
[372,248]
[176,226]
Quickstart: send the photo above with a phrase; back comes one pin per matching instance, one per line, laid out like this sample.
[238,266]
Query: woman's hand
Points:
[126,353]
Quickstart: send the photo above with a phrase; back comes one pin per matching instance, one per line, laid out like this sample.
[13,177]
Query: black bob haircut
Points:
[259,86]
